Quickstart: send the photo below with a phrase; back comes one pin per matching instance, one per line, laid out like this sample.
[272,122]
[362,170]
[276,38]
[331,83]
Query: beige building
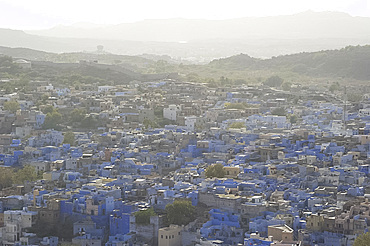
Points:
[280,233]
[364,139]
[251,111]
[232,172]
[170,236]
[315,222]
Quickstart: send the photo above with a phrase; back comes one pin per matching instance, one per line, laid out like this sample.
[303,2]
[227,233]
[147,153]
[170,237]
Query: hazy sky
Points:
[40,14]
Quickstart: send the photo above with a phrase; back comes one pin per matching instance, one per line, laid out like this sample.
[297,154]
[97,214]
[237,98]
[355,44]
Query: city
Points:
[115,165]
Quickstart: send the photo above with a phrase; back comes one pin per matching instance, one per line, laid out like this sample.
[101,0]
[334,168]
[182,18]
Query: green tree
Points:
[23,83]
[48,109]
[193,77]
[89,122]
[274,81]
[52,120]
[6,174]
[180,212]
[211,82]
[334,87]
[278,112]
[27,173]
[69,138]
[149,123]
[354,97]
[300,68]
[237,125]
[77,115]
[143,216]
[158,111]
[235,106]
[240,81]
[11,106]
[161,66]
[215,171]
[44,98]
[286,86]
[362,240]
[293,118]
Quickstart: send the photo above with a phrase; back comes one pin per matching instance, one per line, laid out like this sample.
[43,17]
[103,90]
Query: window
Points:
[166,237]
[161,236]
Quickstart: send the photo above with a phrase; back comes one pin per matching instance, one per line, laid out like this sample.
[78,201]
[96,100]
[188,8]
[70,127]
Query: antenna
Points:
[345,108]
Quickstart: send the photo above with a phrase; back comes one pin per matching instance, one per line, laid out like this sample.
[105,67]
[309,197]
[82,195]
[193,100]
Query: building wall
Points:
[232,171]
[148,233]
[315,222]
[190,122]
[171,112]
[281,233]
[119,224]
[87,242]
[85,226]
[229,203]
[14,223]
[329,224]
[90,208]
[170,236]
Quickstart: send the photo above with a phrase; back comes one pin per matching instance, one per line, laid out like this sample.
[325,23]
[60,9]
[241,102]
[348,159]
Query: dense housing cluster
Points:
[248,165]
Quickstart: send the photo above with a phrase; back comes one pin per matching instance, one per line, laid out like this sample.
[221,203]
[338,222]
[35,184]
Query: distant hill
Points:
[81,68]
[306,25]
[201,41]
[24,53]
[350,62]
[129,62]
[17,39]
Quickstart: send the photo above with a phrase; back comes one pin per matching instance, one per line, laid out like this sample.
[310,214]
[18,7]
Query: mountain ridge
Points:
[348,62]
[310,24]
[189,40]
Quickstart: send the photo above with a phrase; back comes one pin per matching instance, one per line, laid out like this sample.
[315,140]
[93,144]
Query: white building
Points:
[23,63]
[71,163]
[14,224]
[270,120]
[171,112]
[190,122]
[22,131]
[364,112]
[105,88]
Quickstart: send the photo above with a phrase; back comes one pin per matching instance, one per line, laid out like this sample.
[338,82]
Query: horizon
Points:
[40,14]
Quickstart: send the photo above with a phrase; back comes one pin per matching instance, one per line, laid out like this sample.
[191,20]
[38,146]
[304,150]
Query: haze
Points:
[42,14]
